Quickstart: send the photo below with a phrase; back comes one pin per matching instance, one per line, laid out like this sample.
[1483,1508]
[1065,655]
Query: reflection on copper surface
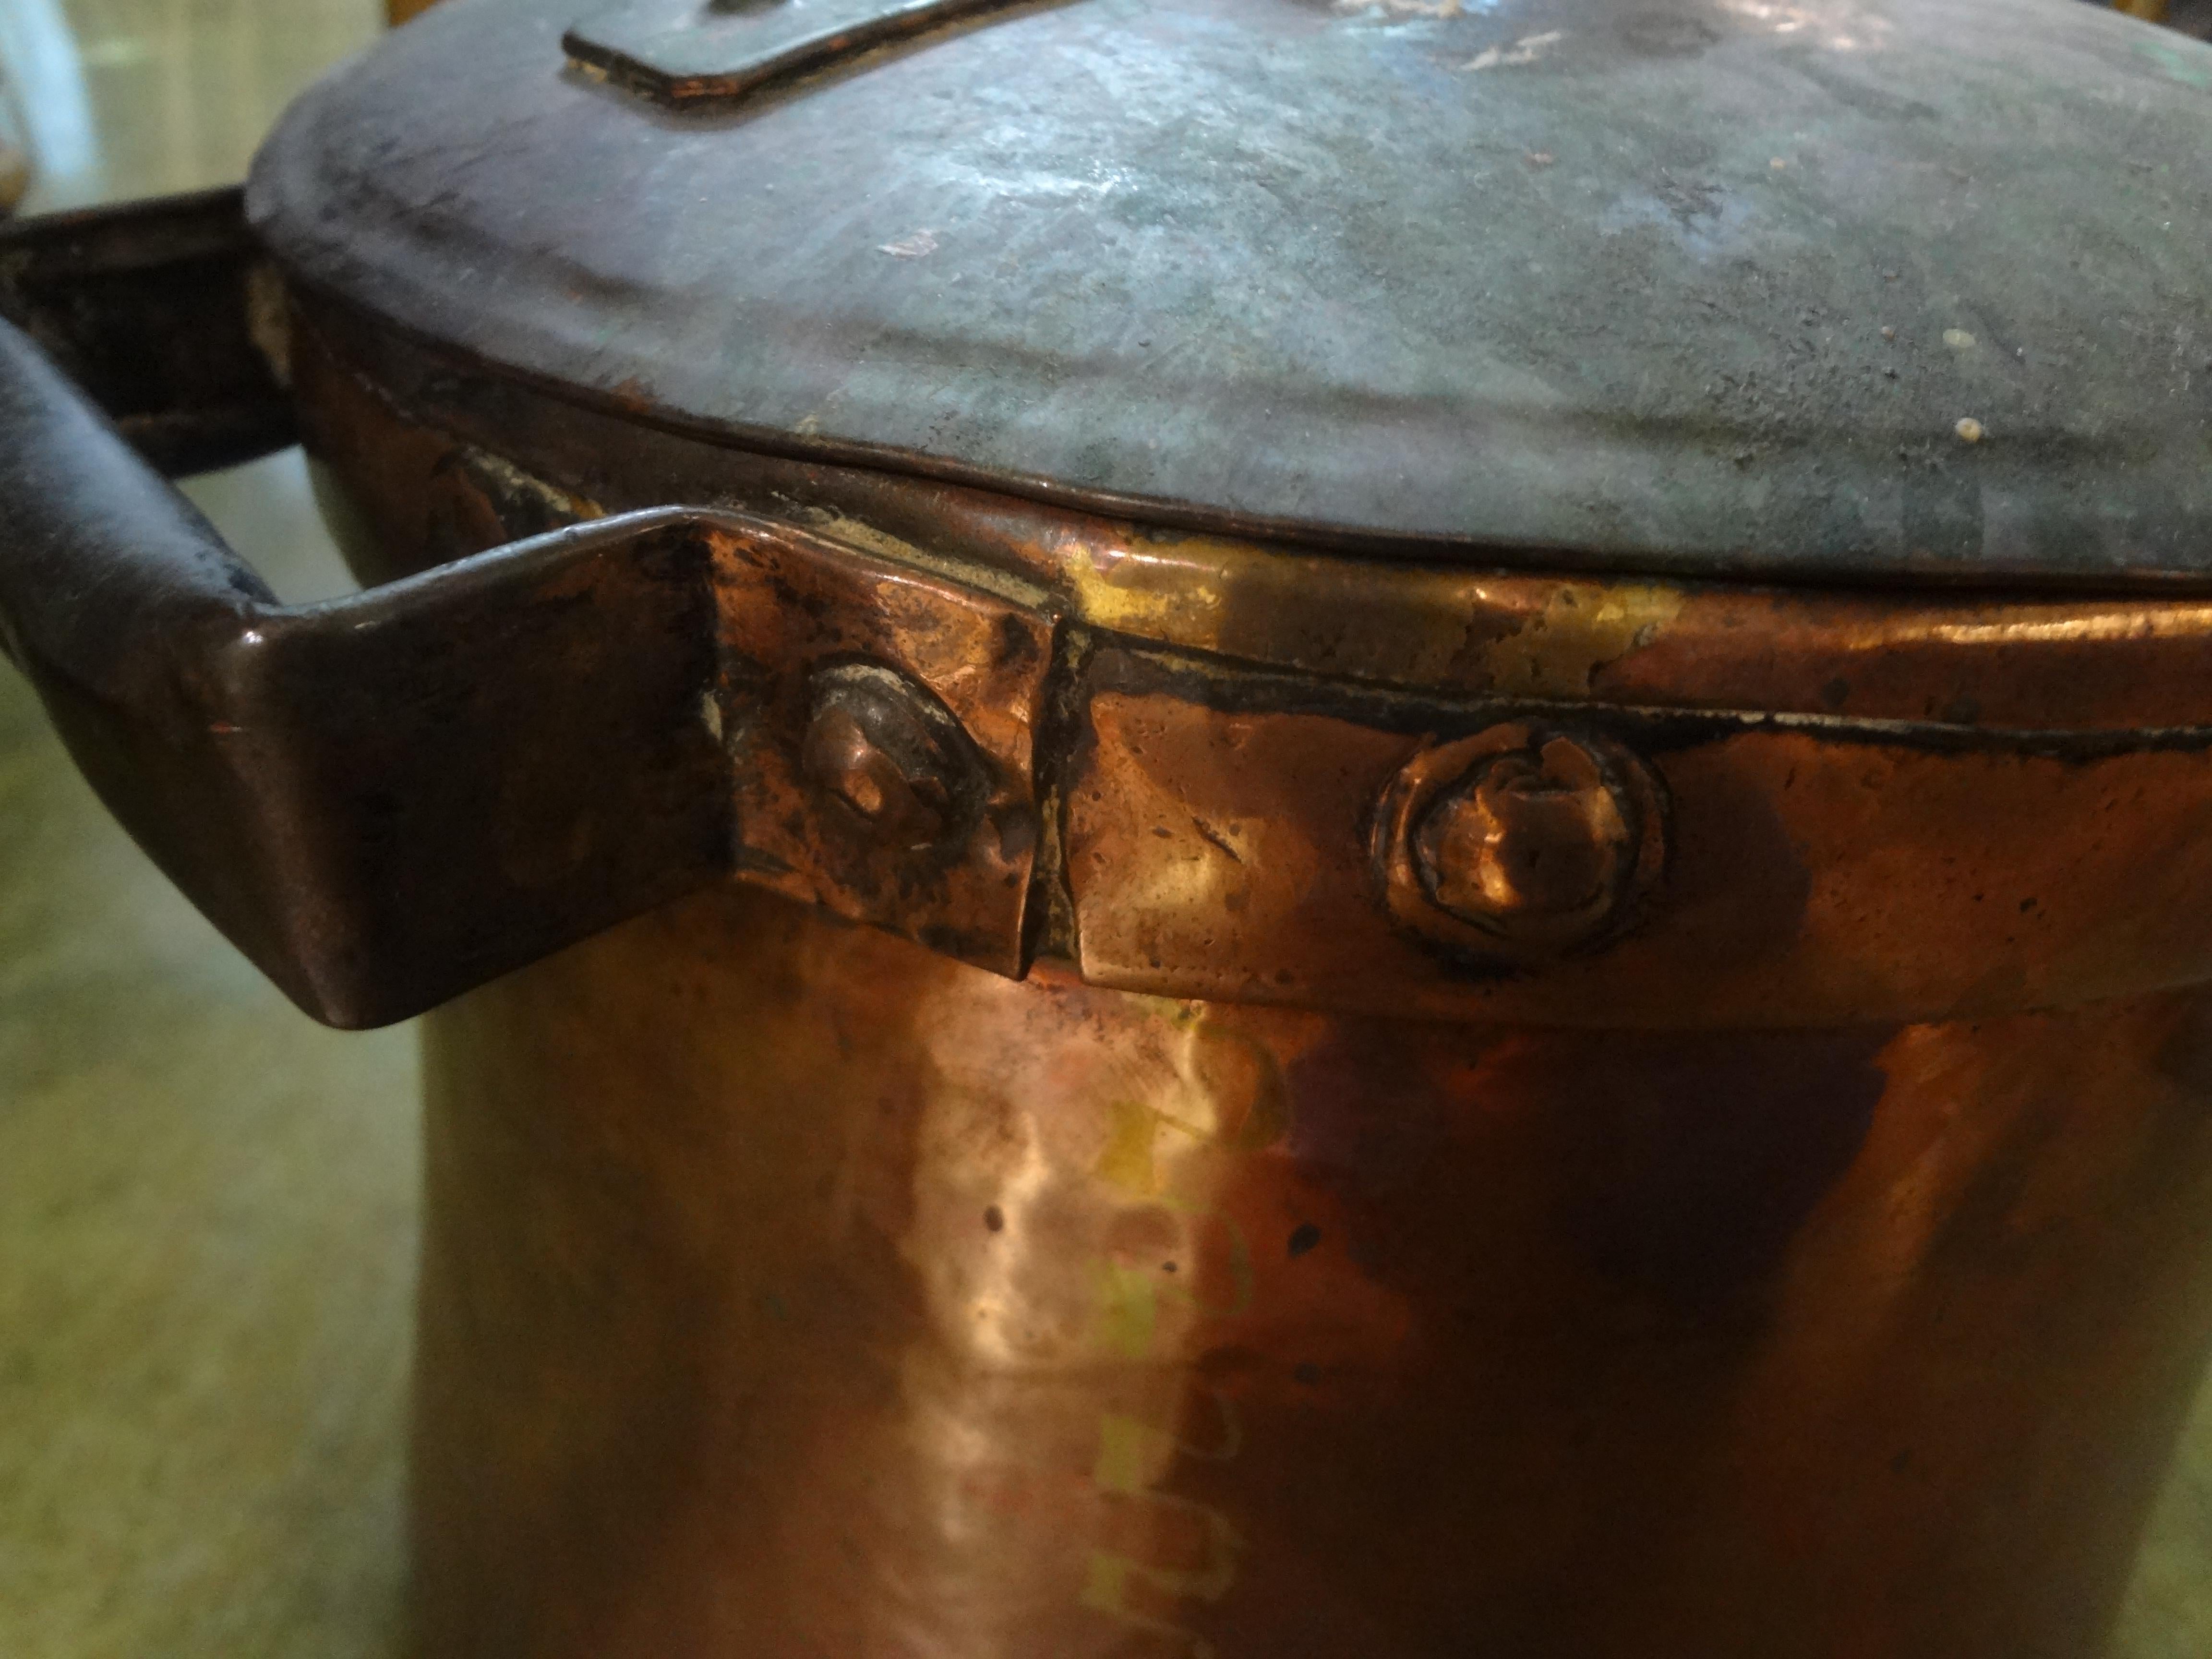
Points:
[817,1294]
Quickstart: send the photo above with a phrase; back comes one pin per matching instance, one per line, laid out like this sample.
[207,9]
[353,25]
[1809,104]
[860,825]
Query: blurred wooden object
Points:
[400,10]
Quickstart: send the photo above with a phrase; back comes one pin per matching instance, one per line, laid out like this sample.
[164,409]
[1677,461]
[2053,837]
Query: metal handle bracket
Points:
[388,798]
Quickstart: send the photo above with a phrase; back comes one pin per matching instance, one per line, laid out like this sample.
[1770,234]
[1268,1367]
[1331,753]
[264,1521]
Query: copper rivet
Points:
[1526,834]
[1539,840]
[874,747]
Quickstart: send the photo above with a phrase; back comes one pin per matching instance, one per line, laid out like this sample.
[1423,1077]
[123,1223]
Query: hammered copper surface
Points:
[791,1292]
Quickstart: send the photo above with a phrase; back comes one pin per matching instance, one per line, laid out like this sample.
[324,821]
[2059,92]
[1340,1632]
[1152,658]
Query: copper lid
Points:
[1797,289]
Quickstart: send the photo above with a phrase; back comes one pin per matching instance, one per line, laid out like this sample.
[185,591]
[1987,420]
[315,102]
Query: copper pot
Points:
[1513,702]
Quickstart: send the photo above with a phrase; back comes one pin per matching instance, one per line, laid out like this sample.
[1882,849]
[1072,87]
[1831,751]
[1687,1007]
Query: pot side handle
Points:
[384,800]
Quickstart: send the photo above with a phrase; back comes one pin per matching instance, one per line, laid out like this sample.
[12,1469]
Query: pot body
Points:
[1812,1263]
[789,1290]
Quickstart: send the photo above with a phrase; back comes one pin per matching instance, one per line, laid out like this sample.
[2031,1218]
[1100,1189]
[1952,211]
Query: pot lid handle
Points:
[697,52]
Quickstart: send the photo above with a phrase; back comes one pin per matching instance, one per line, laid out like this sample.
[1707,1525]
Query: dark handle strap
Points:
[152,307]
[385,800]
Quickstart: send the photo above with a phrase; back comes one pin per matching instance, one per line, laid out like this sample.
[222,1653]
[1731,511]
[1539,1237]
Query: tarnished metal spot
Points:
[1522,838]
[690,52]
